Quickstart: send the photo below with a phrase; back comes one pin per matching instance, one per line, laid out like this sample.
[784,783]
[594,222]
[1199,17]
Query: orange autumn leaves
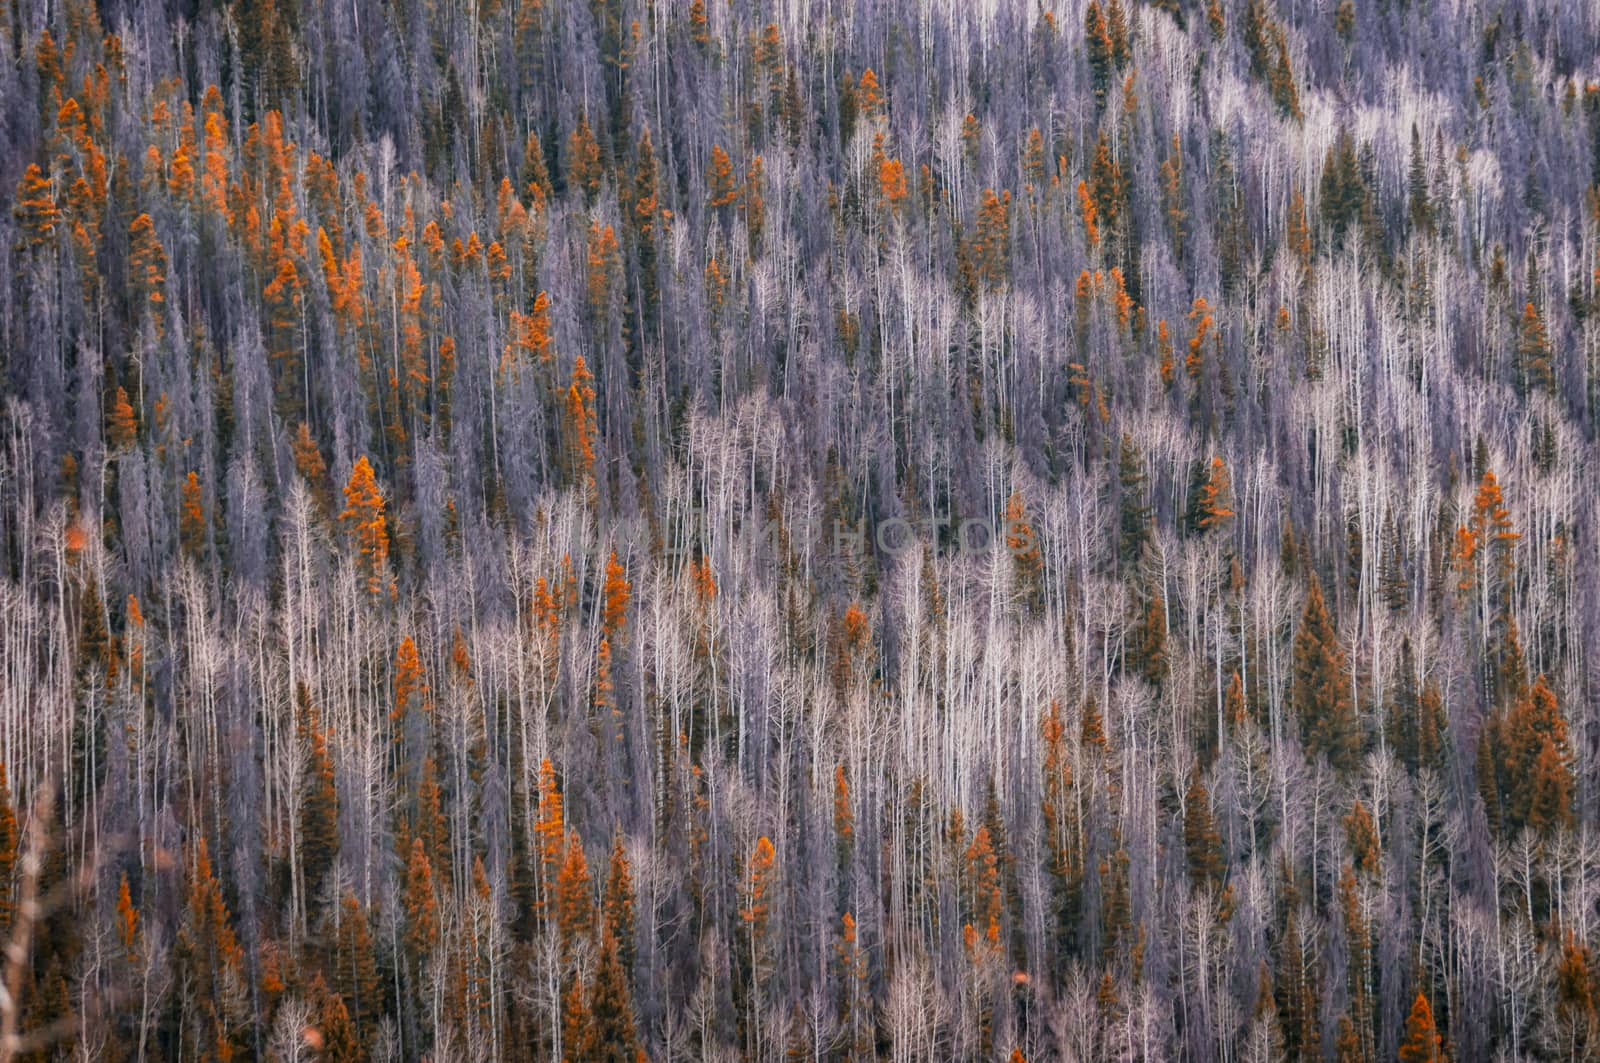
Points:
[760,876]
[580,425]
[1489,527]
[615,595]
[35,208]
[364,519]
[530,338]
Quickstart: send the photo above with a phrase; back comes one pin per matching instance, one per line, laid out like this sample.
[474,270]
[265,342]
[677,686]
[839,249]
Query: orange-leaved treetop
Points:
[364,518]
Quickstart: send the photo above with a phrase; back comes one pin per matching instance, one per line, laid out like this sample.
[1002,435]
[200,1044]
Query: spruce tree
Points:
[618,912]
[1133,509]
[1417,203]
[1098,43]
[1201,841]
[1151,643]
[421,909]
[610,1011]
[1321,688]
[1421,1041]
[1577,1000]
[319,808]
[210,962]
[356,979]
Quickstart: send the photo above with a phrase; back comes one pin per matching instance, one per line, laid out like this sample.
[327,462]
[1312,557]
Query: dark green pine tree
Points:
[1117,30]
[1116,909]
[1489,775]
[1433,729]
[1507,664]
[611,1008]
[1258,39]
[1321,690]
[1149,652]
[1288,549]
[614,57]
[1400,725]
[1354,550]
[1418,204]
[1546,447]
[1392,579]
[319,808]
[849,107]
[1280,80]
[1298,992]
[96,666]
[646,221]
[1133,509]
[356,978]
[1342,190]
[618,905]
[1193,510]
[1201,842]
[1374,230]
[1097,41]
[1233,240]
[208,958]
[793,110]
[1172,8]
[523,854]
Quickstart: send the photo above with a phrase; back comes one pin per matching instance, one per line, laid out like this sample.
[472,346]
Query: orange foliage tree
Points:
[192,518]
[724,188]
[364,518]
[121,424]
[550,833]
[210,961]
[756,910]
[1421,1042]
[615,596]
[583,159]
[147,268]
[1215,497]
[580,425]
[35,206]
[574,901]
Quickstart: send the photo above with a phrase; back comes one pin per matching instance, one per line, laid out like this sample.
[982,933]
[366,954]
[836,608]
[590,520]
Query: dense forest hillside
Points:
[798,529]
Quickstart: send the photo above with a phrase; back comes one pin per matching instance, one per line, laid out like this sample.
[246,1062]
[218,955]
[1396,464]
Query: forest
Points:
[638,531]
